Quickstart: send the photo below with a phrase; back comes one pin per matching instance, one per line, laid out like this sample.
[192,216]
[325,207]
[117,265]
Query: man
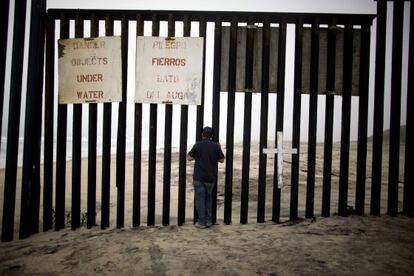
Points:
[206,154]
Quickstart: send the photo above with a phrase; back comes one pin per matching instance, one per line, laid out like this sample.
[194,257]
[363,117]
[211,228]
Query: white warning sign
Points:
[169,70]
[90,70]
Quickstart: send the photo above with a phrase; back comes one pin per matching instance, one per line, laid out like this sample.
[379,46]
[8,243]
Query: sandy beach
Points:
[325,246]
[351,245]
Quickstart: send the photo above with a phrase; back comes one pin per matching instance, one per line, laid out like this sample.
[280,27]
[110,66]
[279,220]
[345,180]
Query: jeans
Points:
[203,201]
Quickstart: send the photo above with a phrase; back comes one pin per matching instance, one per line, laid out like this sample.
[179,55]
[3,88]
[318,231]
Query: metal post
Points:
[329,116]
[346,120]
[394,149]
[14,122]
[408,201]
[48,126]
[378,108]
[61,146]
[183,147]
[92,134]
[77,146]
[152,145]
[30,200]
[136,203]
[216,101]
[294,189]
[247,128]
[280,109]
[230,122]
[362,119]
[4,27]
[264,104]
[313,110]
[121,139]
[200,108]
[106,145]
[167,146]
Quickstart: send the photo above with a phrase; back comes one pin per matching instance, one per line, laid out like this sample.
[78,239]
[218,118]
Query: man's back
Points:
[206,154]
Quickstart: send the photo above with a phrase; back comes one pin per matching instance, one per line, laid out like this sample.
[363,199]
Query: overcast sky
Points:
[332,6]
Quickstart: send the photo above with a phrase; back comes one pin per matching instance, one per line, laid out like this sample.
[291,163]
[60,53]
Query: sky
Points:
[336,6]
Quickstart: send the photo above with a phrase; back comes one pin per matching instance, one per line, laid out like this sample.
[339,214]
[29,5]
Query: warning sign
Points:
[169,70]
[90,70]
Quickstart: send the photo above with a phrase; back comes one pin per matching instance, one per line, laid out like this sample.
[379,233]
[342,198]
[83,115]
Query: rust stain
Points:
[61,49]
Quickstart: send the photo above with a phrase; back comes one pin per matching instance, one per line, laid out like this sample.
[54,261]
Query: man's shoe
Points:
[200,226]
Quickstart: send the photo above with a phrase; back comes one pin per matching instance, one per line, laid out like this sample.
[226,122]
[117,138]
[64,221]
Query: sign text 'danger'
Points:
[90,70]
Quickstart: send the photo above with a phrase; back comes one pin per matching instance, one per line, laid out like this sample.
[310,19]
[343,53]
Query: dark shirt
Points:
[206,154]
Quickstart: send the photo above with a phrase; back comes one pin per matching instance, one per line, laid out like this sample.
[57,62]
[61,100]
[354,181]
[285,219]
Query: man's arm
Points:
[221,160]
[189,157]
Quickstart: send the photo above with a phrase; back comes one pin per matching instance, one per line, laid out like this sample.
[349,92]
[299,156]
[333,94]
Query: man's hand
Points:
[189,157]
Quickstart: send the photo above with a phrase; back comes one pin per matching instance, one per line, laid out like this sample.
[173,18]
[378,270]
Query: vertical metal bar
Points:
[136,203]
[92,134]
[14,122]
[48,125]
[30,199]
[4,27]
[77,145]
[378,108]
[394,148]
[121,139]
[264,106]
[244,205]
[216,102]
[106,145]
[228,186]
[152,145]
[279,111]
[61,146]
[297,96]
[200,108]
[362,118]
[329,116]
[346,120]
[167,145]
[408,201]
[183,147]
[313,112]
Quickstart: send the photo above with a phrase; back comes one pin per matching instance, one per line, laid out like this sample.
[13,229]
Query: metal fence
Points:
[312,26]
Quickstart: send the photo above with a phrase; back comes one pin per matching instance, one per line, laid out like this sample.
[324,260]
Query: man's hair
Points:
[207,132]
